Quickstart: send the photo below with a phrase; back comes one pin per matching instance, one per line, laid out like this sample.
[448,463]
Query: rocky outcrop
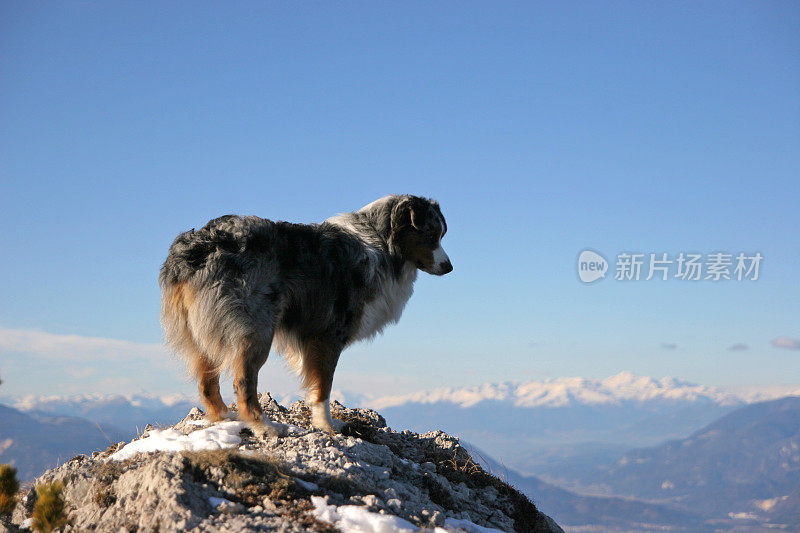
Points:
[199,477]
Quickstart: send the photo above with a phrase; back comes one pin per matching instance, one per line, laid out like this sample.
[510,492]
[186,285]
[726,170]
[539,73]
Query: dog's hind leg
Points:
[250,358]
[208,383]
[319,364]
[177,301]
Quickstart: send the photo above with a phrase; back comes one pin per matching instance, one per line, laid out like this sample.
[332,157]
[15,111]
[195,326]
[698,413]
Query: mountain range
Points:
[626,453]
[126,412]
[535,425]
[568,391]
[35,441]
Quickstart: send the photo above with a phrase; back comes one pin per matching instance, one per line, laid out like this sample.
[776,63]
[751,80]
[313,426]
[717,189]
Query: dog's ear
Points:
[419,212]
[438,209]
[402,218]
[409,210]
[398,221]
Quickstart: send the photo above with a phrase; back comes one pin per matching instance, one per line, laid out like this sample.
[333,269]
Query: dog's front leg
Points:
[319,364]
[321,416]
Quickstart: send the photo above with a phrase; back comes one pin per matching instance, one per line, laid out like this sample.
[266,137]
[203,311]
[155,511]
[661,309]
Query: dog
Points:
[242,285]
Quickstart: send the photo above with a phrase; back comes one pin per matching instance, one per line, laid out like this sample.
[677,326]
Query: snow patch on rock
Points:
[215,437]
[357,518]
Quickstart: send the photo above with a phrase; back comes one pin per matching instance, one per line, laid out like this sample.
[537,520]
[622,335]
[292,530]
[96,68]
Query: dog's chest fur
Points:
[387,305]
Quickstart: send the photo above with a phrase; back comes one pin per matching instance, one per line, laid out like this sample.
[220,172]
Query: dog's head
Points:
[417,228]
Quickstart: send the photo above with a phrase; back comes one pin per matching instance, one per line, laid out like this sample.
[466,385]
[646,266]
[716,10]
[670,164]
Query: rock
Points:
[214,477]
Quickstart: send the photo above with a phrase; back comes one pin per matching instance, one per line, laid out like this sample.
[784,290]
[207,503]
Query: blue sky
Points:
[542,129]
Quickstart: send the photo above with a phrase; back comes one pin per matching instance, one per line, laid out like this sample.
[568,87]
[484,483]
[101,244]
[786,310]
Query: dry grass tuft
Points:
[48,511]
[462,469]
[9,486]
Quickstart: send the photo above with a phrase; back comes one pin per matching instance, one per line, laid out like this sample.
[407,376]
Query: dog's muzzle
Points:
[441,262]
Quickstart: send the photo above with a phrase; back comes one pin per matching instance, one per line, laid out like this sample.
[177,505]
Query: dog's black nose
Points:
[446,267]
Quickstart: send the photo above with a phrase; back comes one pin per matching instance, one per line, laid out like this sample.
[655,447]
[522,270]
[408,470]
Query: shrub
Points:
[48,511]
[8,489]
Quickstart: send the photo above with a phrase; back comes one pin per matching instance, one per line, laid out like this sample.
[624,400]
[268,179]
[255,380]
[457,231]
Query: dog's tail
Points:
[177,294]
[180,283]
[198,323]
[185,254]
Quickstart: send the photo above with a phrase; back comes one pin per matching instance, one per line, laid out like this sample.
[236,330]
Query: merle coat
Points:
[241,285]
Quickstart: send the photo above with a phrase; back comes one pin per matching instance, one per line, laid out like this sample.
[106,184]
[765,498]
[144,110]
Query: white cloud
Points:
[44,363]
[37,362]
[78,348]
[763,393]
[786,342]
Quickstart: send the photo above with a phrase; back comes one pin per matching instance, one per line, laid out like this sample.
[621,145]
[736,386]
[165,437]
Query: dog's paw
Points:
[269,430]
[332,427]
[222,417]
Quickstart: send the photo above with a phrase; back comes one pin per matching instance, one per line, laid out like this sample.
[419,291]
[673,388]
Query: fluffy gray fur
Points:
[234,286]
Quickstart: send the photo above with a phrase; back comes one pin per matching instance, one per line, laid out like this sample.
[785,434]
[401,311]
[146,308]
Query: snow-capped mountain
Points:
[142,408]
[83,401]
[127,412]
[567,391]
[532,425]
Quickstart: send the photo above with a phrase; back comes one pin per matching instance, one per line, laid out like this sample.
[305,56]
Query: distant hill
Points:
[34,441]
[595,513]
[37,433]
[744,466]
